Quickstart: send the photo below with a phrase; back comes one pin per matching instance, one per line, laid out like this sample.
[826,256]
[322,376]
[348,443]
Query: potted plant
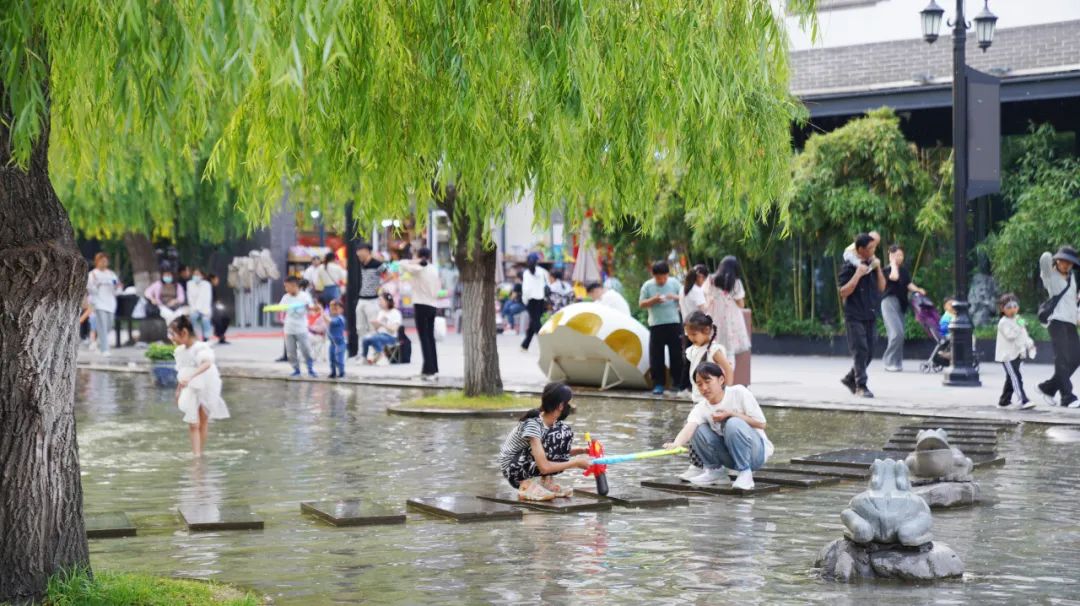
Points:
[163,366]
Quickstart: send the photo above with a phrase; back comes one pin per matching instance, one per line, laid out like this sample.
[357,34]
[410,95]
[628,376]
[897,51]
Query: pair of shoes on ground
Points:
[544,490]
[857,390]
[377,360]
[710,477]
[311,373]
[430,378]
[658,390]
[337,375]
[1025,405]
[894,369]
[1072,402]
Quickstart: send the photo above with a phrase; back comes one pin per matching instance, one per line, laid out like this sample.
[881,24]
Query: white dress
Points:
[202,391]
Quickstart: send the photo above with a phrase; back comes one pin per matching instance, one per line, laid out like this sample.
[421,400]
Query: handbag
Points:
[1047,307]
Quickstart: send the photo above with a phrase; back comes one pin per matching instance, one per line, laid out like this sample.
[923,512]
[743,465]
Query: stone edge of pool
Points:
[455,383]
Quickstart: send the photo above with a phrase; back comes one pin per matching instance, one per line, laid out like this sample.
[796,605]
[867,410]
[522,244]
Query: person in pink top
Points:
[168,296]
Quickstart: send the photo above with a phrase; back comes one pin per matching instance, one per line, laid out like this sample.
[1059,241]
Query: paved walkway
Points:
[785,381]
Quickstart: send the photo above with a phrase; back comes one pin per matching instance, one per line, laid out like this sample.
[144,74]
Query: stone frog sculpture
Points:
[935,458]
[888,512]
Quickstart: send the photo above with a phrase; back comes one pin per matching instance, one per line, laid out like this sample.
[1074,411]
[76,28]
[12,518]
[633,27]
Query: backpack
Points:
[1047,307]
[403,354]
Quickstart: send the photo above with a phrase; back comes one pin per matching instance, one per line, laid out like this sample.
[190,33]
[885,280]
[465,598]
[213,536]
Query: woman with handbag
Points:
[1059,314]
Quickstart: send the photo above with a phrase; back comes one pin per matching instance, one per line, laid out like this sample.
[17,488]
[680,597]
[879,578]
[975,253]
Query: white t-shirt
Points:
[389,320]
[697,354]
[296,317]
[330,274]
[200,296]
[101,286]
[532,284]
[737,399]
[311,273]
[615,301]
[691,301]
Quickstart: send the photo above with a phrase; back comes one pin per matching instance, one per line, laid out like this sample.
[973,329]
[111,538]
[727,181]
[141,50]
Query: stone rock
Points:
[949,494]
[982,297]
[888,512]
[847,561]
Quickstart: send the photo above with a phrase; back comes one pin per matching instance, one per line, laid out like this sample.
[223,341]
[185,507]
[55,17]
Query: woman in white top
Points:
[386,324]
[328,280]
[533,294]
[726,299]
[727,429]
[102,286]
[692,297]
[425,293]
[198,387]
[200,295]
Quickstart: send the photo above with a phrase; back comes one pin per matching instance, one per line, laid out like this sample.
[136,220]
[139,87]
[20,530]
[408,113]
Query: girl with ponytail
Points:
[701,334]
[539,447]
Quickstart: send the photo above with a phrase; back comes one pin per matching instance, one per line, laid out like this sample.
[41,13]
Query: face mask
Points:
[166,279]
[196,279]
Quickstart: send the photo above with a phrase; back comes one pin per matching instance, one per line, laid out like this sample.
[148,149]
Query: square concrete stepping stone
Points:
[110,525]
[561,505]
[845,473]
[220,517]
[789,478]
[848,457]
[965,448]
[635,497]
[984,460]
[463,508]
[353,512]
[677,485]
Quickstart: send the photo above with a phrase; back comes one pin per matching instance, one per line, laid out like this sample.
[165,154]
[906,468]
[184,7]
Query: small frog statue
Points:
[888,512]
[935,458]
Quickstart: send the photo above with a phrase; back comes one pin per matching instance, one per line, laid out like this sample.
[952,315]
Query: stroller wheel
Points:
[925,367]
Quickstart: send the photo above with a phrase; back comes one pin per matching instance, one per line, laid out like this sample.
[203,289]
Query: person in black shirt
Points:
[861,284]
[894,304]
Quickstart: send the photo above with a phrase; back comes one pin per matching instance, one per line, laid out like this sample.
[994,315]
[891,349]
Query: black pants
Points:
[1066,359]
[1014,383]
[684,376]
[425,329]
[535,307]
[221,324]
[860,337]
[660,337]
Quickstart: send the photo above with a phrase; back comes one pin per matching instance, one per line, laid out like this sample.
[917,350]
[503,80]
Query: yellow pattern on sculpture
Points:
[549,326]
[586,323]
[626,344]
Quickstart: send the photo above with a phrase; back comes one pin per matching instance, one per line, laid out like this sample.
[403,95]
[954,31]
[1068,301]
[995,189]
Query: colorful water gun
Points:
[282,307]
[599,471]
[636,456]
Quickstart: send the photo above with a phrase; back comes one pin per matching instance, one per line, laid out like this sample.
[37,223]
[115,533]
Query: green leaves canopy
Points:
[590,104]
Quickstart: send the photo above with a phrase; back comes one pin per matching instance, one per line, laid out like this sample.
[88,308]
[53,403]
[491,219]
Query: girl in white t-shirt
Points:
[726,429]
[700,333]
[198,386]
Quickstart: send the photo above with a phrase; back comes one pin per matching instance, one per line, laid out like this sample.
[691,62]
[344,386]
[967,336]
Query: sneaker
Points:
[864,392]
[893,369]
[1006,404]
[383,361]
[535,492]
[849,382]
[430,378]
[1028,405]
[282,359]
[685,394]
[691,472]
[295,372]
[745,481]
[312,374]
[658,390]
[711,476]
[1074,402]
[1047,397]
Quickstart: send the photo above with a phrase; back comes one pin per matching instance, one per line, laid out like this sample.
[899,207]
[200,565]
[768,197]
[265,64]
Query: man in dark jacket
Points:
[861,283]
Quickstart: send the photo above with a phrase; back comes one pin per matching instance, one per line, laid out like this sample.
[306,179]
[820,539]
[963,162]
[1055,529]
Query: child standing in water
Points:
[701,333]
[198,387]
[1013,345]
[540,447]
[335,332]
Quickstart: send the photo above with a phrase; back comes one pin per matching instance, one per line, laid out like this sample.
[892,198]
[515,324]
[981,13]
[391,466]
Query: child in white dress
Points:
[198,387]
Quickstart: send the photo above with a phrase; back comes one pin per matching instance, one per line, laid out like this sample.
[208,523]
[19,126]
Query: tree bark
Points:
[144,263]
[42,283]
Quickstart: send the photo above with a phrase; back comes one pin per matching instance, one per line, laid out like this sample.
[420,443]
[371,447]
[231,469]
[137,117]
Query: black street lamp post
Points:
[962,370]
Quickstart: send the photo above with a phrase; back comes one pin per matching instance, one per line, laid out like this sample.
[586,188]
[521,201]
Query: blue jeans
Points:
[377,342]
[740,447]
[510,310]
[198,319]
[337,357]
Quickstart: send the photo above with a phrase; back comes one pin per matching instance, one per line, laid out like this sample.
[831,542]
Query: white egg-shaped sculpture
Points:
[594,345]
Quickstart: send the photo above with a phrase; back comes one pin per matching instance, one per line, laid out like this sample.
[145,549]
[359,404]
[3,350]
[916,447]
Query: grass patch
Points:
[114,588]
[456,400]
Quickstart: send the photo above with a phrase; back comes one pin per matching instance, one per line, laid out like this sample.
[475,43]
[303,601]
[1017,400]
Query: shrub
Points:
[160,352]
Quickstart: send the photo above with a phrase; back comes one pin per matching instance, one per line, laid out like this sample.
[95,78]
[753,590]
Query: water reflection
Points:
[292,442]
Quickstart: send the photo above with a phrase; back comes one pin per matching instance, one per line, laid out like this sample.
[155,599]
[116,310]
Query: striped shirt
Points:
[518,440]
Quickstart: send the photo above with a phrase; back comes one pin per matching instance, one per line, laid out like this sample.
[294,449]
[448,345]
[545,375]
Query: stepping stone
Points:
[984,460]
[846,473]
[966,449]
[849,457]
[111,525]
[789,478]
[224,517]
[463,508]
[561,505]
[958,426]
[352,512]
[677,485]
[632,496]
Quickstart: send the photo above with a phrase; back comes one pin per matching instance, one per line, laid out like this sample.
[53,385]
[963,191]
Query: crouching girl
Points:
[727,429]
[540,446]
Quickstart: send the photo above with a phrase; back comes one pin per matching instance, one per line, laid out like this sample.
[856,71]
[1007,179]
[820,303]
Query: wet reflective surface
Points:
[294,442]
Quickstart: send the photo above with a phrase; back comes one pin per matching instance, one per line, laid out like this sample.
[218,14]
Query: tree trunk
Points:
[476,264]
[144,263]
[43,281]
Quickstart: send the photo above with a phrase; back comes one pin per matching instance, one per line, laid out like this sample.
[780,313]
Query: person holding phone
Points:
[660,296]
[861,285]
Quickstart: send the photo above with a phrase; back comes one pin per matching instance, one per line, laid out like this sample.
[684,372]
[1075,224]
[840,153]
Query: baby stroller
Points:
[928,317]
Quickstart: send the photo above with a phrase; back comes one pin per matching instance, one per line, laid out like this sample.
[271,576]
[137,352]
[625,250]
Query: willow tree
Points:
[398,106]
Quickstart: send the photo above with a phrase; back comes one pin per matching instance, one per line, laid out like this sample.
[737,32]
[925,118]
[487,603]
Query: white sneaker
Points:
[711,476]
[1049,399]
[745,481]
[691,472]
[383,361]
[1027,405]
